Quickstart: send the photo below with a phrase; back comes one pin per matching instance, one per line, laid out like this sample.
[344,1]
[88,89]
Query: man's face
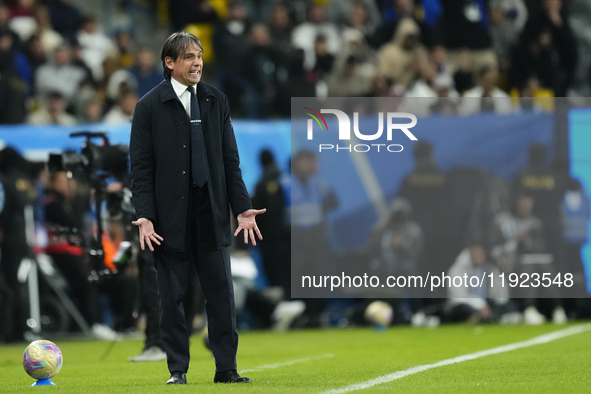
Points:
[188,67]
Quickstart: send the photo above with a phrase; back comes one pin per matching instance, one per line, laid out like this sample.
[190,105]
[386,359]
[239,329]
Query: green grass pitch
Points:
[312,361]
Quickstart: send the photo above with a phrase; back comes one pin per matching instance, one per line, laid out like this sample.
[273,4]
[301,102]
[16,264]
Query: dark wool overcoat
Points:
[160,163]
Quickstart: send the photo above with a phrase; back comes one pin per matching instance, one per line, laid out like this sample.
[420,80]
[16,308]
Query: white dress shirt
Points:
[183,94]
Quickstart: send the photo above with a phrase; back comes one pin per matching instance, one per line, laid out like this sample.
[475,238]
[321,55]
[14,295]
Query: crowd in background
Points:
[58,66]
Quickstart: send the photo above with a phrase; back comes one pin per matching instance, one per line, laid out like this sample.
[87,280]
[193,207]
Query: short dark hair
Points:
[176,45]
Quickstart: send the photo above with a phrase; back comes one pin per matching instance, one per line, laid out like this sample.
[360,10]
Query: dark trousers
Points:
[149,298]
[213,269]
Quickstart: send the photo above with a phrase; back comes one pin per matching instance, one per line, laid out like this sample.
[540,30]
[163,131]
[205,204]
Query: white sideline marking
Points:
[287,363]
[496,350]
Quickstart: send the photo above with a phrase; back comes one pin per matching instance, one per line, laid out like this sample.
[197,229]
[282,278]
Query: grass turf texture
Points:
[347,356]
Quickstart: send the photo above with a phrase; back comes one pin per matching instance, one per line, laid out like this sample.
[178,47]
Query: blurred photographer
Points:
[64,213]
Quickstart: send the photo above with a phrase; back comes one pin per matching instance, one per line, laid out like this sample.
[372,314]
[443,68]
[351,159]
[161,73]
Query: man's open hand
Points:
[247,222]
[147,233]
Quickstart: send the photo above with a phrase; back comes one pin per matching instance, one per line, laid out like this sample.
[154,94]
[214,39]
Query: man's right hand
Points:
[147,233]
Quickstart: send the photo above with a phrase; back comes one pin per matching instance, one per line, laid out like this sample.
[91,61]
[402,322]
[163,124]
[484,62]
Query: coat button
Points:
[182,121]
[183,198]
[184,172]
[184,146]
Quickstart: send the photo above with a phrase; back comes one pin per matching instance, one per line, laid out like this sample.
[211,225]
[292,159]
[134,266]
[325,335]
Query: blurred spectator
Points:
[13,86]
[397,242]
[523,235]
[439,59]
[85,94]
[93,113]
[13,59]
[65,17]
[272,191]
[259,11]
[514,11]
[145,71]
[401,9]
[324,61]
[304,35]
[261,69]
[96,47]
[52,112]
[5,23]
[431,92]
[359,14]
[534,97]
[464,24]
[399,59]
[545,186]
[59,75]
[230,44]
[299,83]
[351,79]
[550,30]
[35,53]
[184,12]
[504,35]
[123,111]
[477,304]
[122,56]
[50,39]
[78,60]
[22,19]
[280,28]
[421,95]
[464,76]
[486,97]
[425,189]
[517,233]
[536,60]
[121,81]
[311,200]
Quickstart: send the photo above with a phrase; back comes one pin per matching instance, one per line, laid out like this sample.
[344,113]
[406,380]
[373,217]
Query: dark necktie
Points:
[198,153]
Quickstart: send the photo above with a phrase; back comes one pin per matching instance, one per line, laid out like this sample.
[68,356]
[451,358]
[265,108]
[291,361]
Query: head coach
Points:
[185,178]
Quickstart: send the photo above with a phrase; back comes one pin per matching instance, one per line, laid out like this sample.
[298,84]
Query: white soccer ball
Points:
[379,313]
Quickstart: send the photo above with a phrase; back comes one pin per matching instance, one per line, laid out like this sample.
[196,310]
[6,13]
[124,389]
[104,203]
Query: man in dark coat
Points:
[185,178]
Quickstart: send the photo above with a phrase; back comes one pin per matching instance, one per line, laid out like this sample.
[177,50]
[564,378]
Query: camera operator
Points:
[65,209]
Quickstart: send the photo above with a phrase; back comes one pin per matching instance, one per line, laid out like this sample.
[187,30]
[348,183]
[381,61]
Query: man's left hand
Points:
[247,222]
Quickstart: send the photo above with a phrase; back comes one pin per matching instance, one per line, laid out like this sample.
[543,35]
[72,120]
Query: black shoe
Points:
[177,378]
[229,377]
